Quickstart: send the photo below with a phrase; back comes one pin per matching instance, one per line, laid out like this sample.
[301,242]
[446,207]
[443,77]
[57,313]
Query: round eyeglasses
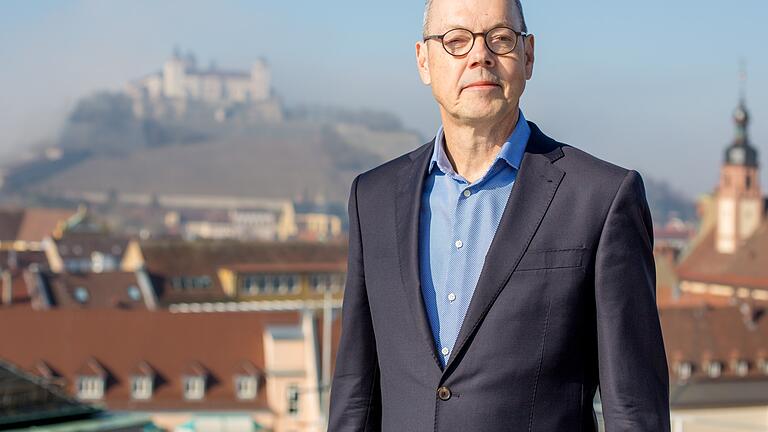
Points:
[458,42]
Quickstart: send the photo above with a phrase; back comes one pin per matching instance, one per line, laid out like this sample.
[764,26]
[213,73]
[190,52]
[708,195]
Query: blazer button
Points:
[444,393]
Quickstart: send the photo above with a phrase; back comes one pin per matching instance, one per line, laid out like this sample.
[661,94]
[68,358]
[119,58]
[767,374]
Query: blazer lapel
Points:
[535,186]
[410,183]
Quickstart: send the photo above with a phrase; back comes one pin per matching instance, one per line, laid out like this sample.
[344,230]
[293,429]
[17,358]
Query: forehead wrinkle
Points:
[498,24]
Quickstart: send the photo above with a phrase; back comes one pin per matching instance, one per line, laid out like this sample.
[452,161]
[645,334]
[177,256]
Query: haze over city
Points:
[652,88]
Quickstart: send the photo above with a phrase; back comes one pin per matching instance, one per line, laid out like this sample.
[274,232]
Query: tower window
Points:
[293,400]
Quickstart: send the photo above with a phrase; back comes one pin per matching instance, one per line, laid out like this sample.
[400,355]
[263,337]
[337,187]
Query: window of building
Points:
[246,386]
[81,294]
[141,387]
[134,293]
[337,281]
[194,387]
[85,265]
[200,282]
[714,369]
[176,283]
[741,367]
[286,284]
[182,283]
[294,284]
[293,400]
[684,370]
[247,285]
[90,387]
[261,284]
[762,365]
[319,282]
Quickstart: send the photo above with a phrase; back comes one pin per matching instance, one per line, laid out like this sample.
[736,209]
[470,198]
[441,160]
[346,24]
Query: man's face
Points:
[480,86]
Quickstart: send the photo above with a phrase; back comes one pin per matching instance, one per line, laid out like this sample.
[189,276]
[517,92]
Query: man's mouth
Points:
[481,85]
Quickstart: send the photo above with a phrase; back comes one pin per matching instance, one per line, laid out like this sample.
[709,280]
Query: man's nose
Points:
[480,55]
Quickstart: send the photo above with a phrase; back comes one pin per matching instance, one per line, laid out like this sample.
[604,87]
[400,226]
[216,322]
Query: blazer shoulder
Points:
[575,162]
[590,174]
[388,172]
[589,165]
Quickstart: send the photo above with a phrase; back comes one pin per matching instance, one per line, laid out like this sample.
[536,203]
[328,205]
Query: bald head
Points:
[515,5]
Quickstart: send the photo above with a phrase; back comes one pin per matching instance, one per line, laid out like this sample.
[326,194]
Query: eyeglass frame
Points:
[441,37]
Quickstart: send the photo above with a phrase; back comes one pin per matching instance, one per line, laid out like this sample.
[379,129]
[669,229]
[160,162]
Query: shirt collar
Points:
[511,151]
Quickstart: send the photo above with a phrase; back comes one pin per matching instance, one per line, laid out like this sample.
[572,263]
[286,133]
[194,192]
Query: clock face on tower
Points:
[737,156]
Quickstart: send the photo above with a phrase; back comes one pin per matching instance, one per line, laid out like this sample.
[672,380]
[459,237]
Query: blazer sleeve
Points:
[355,403]
[633,375]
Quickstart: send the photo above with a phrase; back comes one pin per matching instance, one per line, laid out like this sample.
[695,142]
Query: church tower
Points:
[740,205]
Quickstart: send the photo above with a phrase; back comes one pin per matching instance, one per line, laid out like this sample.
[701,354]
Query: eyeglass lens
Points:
[499,40]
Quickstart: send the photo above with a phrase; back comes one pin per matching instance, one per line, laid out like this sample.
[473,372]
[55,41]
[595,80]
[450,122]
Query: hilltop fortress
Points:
[182,90]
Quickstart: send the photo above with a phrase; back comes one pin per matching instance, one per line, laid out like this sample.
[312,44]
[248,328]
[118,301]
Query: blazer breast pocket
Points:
[545,259]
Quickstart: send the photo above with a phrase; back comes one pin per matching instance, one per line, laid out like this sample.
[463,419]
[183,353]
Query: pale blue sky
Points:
[649,85]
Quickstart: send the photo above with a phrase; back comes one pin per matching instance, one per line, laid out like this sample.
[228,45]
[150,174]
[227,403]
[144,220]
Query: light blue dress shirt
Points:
[456,226]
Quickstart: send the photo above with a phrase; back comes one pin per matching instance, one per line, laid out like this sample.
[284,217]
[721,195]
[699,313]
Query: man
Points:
[496,277]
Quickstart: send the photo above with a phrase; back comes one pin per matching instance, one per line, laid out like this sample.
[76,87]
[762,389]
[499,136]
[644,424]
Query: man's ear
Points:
[528,45]
[422,62]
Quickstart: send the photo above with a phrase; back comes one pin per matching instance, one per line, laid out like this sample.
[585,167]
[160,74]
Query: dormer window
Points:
[141,387]
[90,387]
[741,367]
[714,369]
[762,365]
[90,380]
[684,370]
[142,381]
[194,387]
[246,387]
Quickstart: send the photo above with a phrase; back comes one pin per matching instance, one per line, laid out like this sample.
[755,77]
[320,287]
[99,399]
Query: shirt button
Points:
[445,351]
[467,192]
[459,244]
[451,297]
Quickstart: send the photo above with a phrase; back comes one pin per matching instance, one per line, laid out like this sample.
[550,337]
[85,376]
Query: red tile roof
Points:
[746,267]
[725,334]
[30,224]
[121,341]
[104,290]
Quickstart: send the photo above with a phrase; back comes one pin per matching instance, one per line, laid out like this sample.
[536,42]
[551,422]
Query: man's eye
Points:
[456,42]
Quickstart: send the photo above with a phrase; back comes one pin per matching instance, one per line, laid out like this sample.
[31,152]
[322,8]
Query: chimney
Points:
[7,294]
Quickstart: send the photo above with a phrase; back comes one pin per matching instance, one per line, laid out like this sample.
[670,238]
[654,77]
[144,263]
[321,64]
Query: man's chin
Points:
[481,113]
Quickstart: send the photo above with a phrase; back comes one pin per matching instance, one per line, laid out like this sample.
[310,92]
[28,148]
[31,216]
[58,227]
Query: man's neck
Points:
[472,148]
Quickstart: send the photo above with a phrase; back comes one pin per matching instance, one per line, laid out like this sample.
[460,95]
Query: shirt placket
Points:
[454,295]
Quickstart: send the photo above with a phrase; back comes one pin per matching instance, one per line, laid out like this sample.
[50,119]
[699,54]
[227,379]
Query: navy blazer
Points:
[566,302]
